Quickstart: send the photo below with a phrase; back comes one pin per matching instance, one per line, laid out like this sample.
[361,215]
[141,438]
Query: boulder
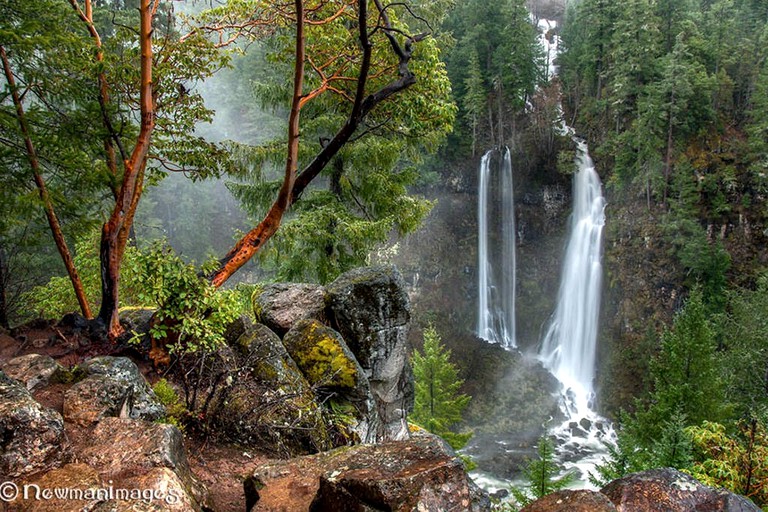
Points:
[268,401]
[96,397]
[421,473]
[672,491]
[121,444]
[144,404]
[34,370]
[32,437]
[74,477]
[332,370]
[572,501]
[137,322]
[281,305]
[370,308]
[121,448]
[169,493]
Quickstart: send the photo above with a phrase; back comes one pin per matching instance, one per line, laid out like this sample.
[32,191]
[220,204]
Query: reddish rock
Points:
[34,370]
[77,478]
[418,474]
[672,491]
[572,501]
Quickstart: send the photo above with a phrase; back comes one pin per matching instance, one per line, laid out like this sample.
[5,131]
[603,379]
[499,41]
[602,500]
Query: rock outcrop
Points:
[281,305]
[34,370]
[268,402]
[655,490]
[331,368]
[572,501]
[144,455]
[672,491]
[371,309]
[421,473]
[113,387]
[32,437]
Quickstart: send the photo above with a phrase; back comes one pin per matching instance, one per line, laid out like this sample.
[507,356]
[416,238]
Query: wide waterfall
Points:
[569,346]
[496,252]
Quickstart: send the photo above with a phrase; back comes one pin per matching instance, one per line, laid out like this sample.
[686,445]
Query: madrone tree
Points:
[358,63]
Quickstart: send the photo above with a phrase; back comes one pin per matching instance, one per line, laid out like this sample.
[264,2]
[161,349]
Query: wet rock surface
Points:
[32,437]
[370,308]
[281,305]
[34,370]
[143,401]
[572,501]
[421,473]
[672,491]
[268,401]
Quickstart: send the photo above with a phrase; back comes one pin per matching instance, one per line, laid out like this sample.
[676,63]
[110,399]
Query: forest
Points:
[184,155]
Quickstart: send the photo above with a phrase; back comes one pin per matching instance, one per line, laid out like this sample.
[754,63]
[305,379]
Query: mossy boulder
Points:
[323,356]
[268,402]
[337,378]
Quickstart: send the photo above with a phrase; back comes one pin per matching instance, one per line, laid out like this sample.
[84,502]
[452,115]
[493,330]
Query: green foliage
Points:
[686,377]
[737,462]
[362,197]
[541,475]
[744,332]
[438,405]
[190,312]
[56,297]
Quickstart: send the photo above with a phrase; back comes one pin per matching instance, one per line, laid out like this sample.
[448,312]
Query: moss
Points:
[322,358]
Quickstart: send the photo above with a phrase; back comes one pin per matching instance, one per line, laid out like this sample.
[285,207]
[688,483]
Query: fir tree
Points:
[540,475]
[439,405]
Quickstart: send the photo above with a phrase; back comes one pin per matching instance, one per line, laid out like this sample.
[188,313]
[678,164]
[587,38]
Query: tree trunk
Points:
[34,162]
[252,242]
[115,232]
[3,290]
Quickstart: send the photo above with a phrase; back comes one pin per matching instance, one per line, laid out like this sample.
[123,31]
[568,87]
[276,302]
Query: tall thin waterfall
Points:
[568,349]
[496,253]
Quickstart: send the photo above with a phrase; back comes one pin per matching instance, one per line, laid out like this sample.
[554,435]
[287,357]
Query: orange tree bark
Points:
[250,244]
[363,104]
[115,232]
[50,213]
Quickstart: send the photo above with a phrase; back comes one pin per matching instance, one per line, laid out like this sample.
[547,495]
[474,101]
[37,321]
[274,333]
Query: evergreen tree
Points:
[438,405]
[541,475]
[686,376]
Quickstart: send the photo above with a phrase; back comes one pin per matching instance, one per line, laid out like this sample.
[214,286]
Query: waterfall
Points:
[496,253]
[568,348]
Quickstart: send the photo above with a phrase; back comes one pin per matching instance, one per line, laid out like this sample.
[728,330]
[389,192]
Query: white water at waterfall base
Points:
[569,346]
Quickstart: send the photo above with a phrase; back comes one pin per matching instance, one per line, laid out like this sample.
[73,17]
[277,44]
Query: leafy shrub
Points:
[191,313]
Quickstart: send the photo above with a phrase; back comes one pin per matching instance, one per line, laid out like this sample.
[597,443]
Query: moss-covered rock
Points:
[268,402]
[323,356]
[337,378]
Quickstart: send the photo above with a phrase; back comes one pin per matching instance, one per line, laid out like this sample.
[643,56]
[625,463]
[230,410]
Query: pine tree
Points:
[540,475]
[439,405]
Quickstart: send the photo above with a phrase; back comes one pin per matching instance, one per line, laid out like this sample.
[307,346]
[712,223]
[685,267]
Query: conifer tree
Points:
[438,405]
[540,475]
